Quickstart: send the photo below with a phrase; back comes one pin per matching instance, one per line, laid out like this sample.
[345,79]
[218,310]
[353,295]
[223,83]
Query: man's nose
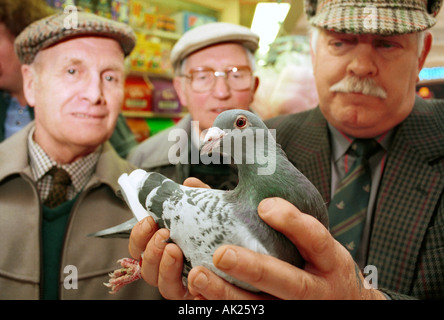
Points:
[363,63]
[93,89]
[221,88]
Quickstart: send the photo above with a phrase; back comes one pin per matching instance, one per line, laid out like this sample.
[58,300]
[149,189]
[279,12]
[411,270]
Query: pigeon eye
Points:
[241,122]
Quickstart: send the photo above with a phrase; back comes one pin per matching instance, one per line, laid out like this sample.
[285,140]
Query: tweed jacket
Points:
[407,240]
[97,207]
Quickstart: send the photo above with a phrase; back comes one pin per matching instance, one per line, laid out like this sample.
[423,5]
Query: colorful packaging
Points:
[138,94]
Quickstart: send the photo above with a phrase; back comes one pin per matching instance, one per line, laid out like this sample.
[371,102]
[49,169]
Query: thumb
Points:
[313,240]
[195,183]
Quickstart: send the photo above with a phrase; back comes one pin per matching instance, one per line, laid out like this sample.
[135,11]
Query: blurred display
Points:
[431,89]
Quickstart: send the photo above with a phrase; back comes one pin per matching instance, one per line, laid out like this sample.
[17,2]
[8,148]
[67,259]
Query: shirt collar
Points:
[340,141]
[80,170]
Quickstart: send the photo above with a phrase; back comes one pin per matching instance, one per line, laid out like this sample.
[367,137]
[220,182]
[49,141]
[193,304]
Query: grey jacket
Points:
[97,207]
[152,154]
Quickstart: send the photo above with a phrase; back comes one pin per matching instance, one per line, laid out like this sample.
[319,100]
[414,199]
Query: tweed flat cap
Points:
[210,34]
[384,17]
[62,26]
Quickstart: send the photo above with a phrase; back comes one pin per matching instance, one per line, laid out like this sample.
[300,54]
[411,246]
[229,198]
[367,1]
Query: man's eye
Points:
[71,71]
[385,45]
[338,44]
[109,78]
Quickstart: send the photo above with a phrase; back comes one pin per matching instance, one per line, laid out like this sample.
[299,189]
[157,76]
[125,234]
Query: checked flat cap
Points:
[210,34]
[62,26]
[384,17]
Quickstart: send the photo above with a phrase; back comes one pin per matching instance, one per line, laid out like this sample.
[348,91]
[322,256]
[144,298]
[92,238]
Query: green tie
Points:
[348,207]
[61,181]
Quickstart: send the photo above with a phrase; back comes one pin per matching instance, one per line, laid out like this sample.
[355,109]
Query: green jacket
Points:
[407,240]
[122,140]
[97,207]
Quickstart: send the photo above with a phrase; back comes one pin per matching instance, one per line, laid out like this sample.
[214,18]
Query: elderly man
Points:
[58,178]
[15,113]
[374,150]
[214,67]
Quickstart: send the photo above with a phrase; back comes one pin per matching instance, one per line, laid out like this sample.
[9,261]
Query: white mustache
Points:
[366,86]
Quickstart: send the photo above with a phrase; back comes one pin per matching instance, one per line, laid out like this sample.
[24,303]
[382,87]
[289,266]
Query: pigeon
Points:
[200,220]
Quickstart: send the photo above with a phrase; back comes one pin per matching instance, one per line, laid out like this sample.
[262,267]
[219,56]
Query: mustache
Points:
[366,86]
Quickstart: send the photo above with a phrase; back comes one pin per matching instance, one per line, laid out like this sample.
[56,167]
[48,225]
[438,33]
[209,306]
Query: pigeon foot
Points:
[130,272]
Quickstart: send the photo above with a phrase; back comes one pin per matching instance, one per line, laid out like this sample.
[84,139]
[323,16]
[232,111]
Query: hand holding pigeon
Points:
[201,220]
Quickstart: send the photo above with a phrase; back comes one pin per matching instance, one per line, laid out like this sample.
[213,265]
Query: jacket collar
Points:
[424,132]
[109,166]
[310,150]
[158,146]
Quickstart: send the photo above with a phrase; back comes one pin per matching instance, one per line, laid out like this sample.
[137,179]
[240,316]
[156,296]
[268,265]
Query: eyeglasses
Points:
[204,78]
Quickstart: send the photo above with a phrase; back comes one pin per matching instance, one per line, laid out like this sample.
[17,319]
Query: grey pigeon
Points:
[200,220]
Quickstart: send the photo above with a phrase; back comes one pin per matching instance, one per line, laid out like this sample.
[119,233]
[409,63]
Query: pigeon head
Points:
[239,128]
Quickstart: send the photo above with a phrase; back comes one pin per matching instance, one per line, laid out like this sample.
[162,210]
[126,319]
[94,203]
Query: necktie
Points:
[61,181]
[348,207]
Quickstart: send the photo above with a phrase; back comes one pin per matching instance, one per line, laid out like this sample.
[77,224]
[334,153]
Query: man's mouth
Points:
[87,116]
[219,110]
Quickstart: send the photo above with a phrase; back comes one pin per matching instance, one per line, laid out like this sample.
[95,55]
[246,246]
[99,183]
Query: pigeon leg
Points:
[130,272]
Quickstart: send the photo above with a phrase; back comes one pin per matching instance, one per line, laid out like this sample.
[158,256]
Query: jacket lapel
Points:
[410,190]
[309,151]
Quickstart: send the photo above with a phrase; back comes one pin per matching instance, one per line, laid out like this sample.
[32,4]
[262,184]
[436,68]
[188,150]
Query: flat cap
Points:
[210,34]
[383,17]
[62,26]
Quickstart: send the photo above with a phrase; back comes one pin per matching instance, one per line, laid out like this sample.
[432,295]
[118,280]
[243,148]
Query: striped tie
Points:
[61,181]
[348,207]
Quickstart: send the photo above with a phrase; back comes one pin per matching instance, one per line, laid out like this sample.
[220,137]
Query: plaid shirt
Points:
[80,170]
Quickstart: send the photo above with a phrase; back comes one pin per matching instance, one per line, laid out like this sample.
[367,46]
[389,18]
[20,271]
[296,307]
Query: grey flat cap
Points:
[59,27]
[210,34]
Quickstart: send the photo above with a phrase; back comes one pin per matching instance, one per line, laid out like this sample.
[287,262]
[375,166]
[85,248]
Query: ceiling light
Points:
[267,21]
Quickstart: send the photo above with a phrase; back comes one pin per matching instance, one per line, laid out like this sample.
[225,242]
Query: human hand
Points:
[329,271]
[162,262]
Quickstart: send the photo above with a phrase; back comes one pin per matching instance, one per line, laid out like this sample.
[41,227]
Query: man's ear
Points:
[29,84]
[428,39]
[255,84]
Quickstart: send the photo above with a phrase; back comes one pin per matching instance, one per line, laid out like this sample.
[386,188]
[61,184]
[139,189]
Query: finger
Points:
[170,274]
[153,255]
[268,274]
[195,183]
[140,235]
[312,239]
[203,283]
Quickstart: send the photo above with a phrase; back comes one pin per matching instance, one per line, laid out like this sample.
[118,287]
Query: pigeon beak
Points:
[212,140]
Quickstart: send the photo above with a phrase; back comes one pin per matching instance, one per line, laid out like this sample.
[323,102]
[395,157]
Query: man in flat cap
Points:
[221,54]
[58,178]
[15,113]
[374,150]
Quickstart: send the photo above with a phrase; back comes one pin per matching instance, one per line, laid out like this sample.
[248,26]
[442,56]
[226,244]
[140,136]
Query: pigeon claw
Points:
[130,272]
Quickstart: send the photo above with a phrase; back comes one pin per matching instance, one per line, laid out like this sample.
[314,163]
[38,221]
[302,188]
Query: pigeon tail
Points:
[130,186]
[122,230]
